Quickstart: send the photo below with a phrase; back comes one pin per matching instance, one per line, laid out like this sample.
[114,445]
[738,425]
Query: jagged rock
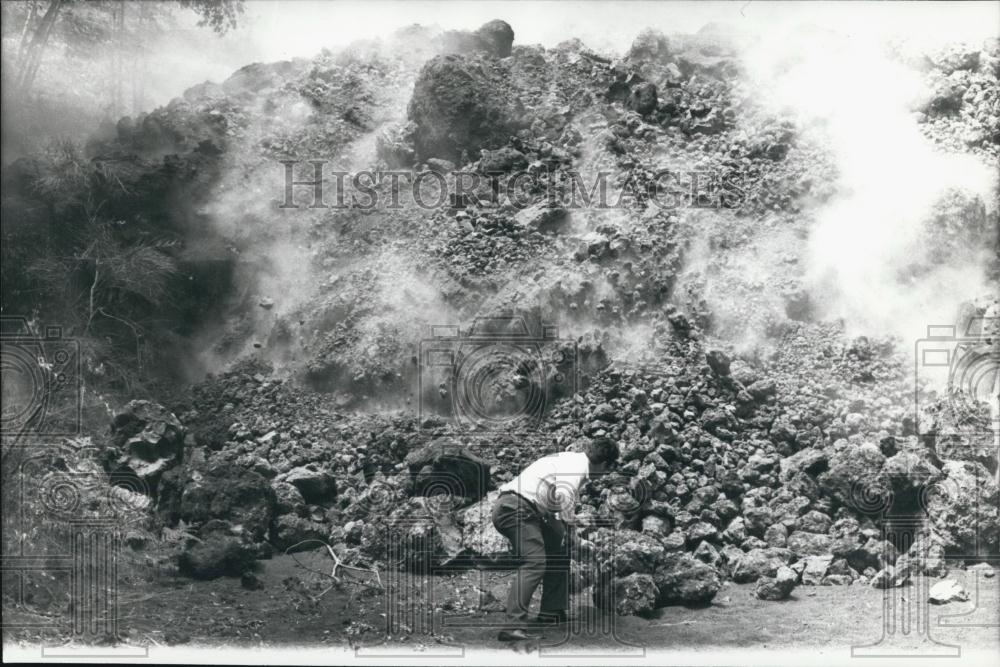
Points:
[776,536]
[643,99]
[417,535]
[289,499]
[316,486]
[649,45]
[151,441]
[735,532]
[814,522]
[809,544]
[810,461]
[221,491]
[852,476]
[655,525]
[814,569]
[926,556]
[496,37]
[289,530]
[502,160]
[632,595]
[394,144]
[963,508]
[778,587]
[623,551]
[542,217]
[445,466]
[758,563]
[459,104]
[701,530]
[890,577]
[681,578]
[479,536]
[216,556]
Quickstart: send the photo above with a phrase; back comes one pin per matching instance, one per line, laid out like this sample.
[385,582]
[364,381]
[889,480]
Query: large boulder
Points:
[417,535]
[149,439]
[684,579]
[649,45]
[221,491]
[758,563]
[496,38]
[802,543]
[633,595]
[445,467]
[963,509]
[622,552]
[316,486]
[852,476]
[479,537]
[926,556]
[218,555]
[460,104]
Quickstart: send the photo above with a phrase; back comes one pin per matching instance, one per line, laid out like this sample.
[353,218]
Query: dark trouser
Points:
[538,542]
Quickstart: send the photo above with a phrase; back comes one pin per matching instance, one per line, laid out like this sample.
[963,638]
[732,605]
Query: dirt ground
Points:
[296,606]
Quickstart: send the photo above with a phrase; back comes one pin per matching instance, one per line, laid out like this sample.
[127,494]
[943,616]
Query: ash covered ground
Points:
[749,346]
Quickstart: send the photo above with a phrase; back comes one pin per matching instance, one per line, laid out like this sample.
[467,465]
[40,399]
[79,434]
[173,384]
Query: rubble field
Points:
[775,471]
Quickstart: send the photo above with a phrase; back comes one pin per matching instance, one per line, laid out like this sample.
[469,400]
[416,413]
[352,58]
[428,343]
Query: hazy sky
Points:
[280,29]
[302,27]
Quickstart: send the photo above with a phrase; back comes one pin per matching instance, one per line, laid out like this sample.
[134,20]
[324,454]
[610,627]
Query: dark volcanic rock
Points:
[458,105]
[316,486]
[496,37]
[222,491]
[682,578]
[150,439]
[778,587]
[634,595]
[643,98]
[446,467]
[216,556]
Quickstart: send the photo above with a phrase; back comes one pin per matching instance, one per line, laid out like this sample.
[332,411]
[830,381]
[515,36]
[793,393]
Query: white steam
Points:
[890,177]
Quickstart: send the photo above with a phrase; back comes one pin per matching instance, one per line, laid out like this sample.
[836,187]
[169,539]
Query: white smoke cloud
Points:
[859,100]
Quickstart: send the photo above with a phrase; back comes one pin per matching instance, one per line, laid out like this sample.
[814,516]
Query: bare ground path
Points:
[296,607]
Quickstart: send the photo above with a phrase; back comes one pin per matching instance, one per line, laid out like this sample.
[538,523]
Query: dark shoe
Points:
[516,635]
[551,618]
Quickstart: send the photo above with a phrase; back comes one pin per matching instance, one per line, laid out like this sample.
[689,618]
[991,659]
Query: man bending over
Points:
[532,512]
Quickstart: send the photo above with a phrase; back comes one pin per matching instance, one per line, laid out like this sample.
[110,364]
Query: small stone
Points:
[947,591]
[778,587]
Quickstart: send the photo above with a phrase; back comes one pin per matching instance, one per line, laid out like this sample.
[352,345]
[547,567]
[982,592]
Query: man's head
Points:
[603,454]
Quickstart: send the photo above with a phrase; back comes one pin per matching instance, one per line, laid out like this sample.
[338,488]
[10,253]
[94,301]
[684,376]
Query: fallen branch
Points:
[337,563]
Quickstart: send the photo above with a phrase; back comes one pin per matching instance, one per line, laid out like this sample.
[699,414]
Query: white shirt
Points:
[552,482]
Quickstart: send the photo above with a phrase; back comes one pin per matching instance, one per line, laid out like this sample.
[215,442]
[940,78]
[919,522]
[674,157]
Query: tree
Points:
[219,15]
[31,57]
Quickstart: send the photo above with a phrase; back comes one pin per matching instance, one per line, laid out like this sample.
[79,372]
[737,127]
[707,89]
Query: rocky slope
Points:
[796,459]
